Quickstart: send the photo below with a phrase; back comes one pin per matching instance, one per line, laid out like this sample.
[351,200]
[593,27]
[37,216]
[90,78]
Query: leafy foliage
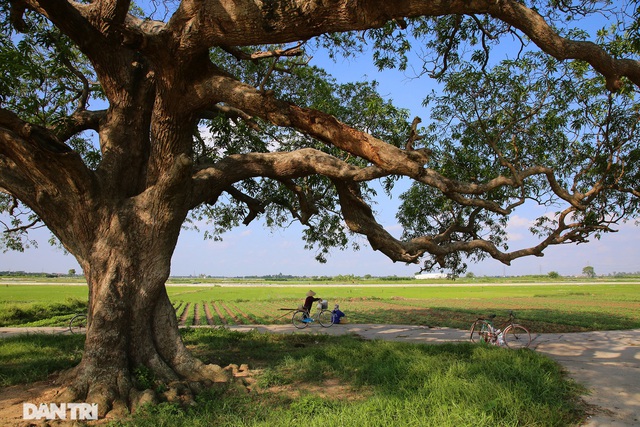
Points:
[313,201]
[530,112]
[503,109]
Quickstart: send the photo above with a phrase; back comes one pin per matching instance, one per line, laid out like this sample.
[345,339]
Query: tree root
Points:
[118,394]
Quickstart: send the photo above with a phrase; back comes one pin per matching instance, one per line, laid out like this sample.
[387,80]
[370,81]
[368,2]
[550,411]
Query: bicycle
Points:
[78,323]
[301,318]
[510,334]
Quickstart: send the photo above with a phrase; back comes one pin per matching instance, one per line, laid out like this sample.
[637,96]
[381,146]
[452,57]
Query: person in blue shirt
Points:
[336,314]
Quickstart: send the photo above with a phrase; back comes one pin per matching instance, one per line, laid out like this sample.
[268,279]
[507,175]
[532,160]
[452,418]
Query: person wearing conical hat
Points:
[308,302]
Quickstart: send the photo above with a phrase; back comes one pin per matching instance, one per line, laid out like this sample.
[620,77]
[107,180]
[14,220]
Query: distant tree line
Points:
[26,274]
[347,278]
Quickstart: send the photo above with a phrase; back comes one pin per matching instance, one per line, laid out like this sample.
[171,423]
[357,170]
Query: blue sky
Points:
[255,250]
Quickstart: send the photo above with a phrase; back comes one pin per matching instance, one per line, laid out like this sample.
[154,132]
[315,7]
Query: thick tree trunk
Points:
[132,325]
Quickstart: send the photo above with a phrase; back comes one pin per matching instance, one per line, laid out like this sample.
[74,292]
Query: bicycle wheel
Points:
[325,318]
[78,324]
[298,319]
[516,336]
[479,331]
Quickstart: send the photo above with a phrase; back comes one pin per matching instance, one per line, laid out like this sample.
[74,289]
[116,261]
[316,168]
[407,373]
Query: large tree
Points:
[213,110]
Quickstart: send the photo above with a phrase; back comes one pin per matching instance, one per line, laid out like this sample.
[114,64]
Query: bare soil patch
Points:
[207,313]
[236,319]
[219,312]
[182,320]
[13,397]
[330,388]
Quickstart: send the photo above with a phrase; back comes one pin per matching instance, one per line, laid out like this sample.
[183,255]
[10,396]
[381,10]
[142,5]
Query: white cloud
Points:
[517,221]
[515,237]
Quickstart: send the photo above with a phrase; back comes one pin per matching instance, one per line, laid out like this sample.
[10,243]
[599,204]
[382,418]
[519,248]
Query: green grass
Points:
[611,291]
[556,307]
[319,380]
[22,294]
[28,358]
[316,380]
[40,313]
[546,308]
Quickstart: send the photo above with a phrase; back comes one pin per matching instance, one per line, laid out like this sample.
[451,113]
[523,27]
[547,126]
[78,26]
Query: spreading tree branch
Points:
[254,205]
[391,159]
[246,24]
[256,56]
[413,135]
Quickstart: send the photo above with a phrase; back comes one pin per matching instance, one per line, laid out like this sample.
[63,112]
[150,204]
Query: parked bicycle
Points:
[510,334]
[78,323]
[301,318]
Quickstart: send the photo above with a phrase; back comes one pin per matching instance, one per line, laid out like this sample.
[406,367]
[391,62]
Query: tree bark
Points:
[132,324]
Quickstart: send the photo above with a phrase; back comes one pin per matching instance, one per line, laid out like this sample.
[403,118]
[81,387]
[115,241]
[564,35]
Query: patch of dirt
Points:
[196,314]
[207,313]
[330,388]
[183,317]
[236,319]
[13,397]
[219,313]
[248,319]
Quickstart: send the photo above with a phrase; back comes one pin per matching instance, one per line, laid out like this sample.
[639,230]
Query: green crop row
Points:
[544,308]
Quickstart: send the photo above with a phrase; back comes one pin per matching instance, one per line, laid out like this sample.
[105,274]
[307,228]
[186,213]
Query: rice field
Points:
[543,308]
[562,308]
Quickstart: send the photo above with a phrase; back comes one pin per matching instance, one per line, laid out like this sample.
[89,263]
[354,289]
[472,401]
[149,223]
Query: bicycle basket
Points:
[322,305]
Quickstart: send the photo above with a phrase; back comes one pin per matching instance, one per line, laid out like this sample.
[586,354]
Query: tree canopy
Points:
[122,122]
[552,121]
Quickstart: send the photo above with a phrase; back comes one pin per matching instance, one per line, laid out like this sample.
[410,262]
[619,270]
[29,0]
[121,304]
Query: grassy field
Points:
[316,380]
[549,307]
